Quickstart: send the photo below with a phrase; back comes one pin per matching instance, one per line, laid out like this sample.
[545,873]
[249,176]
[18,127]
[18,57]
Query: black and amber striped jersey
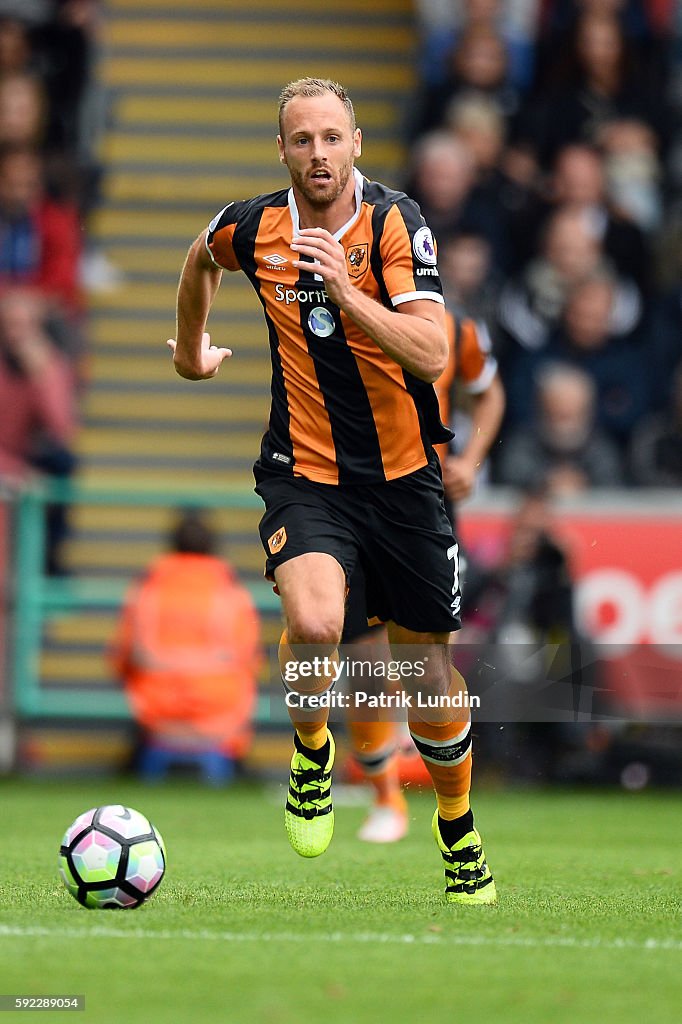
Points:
[342,410]
[470,362]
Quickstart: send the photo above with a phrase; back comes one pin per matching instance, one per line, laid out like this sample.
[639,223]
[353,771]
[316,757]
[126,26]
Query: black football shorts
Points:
[398,531]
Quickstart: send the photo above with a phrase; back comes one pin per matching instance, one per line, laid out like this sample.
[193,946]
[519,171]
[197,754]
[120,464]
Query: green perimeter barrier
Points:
[36,595]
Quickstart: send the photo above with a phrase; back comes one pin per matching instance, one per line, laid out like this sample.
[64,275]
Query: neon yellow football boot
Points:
[468,878]
[308,816]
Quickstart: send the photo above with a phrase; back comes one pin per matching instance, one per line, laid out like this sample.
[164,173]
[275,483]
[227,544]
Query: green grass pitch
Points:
[588,928]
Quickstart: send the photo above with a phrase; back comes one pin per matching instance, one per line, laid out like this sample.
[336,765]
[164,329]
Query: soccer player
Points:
[346,271]
[374,743]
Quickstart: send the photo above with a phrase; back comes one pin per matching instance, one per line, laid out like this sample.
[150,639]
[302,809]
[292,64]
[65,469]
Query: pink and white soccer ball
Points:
[112,857]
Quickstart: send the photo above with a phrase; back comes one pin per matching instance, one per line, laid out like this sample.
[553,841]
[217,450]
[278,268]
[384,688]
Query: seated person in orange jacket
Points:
[188,648]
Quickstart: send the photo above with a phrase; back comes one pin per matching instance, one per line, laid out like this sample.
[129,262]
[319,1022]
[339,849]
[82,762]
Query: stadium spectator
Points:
[16,53]
[188,654]
[532,305]
[563,449]
[522,631]
[441,23]
[444,183]
[664,335]
[522,196]
[40,240]
[646,25]
[596,81]
[470,284]
[37,406]
[579,181]
[529,592]
[64,45]
[634,173]
[656,451]
[22,111]
[585,338]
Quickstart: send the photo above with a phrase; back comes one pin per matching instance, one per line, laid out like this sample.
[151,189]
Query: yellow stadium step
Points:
[81,630]
[195,405]
[209,150]
[244,72]
[235,297]
[248,335]
[135,478]
[276,33]
[134,554]
[132,110]
[76,667]
[180,443]
[264,8]
[157,521]
[212,190]
[242,369]
[147,224]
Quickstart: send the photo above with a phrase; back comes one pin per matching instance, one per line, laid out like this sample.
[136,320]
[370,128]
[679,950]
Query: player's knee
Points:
[315,628]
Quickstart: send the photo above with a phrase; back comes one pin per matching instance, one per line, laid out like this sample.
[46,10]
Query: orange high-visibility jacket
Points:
[188,650]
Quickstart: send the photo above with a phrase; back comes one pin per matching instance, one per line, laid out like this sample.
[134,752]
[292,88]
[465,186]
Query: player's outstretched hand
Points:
[206,363]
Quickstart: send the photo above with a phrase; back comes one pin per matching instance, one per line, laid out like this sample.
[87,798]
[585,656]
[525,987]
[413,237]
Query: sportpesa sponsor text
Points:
[290,295]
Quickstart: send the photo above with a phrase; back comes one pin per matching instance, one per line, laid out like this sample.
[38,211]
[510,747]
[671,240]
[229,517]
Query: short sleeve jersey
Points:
[343,412]
[470,360]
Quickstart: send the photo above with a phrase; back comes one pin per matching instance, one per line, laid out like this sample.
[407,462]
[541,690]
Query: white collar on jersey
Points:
[359,185]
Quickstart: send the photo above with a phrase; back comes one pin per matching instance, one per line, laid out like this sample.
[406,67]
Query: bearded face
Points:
[318,145]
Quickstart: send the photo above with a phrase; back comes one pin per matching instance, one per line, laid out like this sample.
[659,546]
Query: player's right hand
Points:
[200,364]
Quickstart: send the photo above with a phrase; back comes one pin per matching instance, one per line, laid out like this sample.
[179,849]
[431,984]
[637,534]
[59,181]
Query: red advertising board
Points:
[626,561]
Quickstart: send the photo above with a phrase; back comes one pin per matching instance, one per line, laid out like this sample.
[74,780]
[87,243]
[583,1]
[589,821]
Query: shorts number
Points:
[453,553]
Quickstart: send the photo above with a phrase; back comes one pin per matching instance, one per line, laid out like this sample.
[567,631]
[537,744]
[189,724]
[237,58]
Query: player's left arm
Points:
[414,335]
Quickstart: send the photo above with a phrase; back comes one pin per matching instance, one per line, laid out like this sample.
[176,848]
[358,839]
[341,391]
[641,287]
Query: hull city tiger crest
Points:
[356,259]
[278,540]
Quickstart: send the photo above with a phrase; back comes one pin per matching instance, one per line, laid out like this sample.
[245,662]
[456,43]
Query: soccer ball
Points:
[112,857]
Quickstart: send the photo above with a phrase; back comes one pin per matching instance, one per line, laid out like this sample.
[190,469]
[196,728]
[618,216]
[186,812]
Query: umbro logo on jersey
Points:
[275,260]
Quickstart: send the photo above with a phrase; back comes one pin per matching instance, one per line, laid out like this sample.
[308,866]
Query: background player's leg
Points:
[373,743]
[374,747]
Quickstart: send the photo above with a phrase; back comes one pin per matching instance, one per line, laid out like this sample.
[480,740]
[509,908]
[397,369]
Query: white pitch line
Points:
[369,938]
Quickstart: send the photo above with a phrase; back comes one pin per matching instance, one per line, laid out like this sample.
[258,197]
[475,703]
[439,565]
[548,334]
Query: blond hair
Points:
[310,87]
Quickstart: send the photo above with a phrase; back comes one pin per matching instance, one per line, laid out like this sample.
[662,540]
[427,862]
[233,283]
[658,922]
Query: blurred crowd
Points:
[48,184]
[546,154]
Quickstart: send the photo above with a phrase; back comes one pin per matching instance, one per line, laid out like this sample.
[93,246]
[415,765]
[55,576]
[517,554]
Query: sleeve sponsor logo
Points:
[216,220]
[424,246]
